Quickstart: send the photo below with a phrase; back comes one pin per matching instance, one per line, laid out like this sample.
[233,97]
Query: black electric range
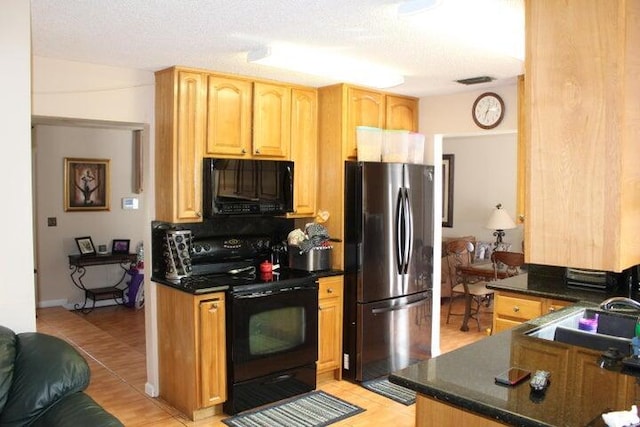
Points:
[233,264]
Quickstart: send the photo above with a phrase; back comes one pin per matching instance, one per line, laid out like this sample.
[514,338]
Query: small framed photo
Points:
[120,246]
[86,184]
[85,246]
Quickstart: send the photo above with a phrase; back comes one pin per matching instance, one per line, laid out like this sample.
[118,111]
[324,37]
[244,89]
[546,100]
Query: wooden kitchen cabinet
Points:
[330,296]
[571,368]
[180,135]
[536,354]
[376,109]
[213,360]
[304,150]
[402,113]
[583,122]
[589,377]
[431,412]
[192,351]
[229,104]
[365,108]
[201,113]
[341,108]
[512,309]
[271,120]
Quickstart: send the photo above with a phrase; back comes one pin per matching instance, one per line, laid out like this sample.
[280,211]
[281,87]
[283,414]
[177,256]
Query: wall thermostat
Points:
[129,203]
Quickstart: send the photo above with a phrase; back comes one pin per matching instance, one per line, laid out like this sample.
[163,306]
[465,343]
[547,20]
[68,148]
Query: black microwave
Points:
[247,187]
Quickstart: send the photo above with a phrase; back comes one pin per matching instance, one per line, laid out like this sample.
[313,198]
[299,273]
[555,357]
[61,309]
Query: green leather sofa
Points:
[42,379]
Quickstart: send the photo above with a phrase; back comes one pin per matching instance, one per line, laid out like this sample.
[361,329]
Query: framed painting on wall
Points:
[86,184]
[447,190]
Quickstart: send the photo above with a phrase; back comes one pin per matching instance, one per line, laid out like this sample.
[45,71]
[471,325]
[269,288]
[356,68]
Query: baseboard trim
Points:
[71,305]
[150,389]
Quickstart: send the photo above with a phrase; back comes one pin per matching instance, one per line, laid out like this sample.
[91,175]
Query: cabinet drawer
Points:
[504,324]
[554,305]
[330,287]
[518,308]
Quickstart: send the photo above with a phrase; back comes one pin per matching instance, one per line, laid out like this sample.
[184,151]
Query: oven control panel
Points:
[230,247]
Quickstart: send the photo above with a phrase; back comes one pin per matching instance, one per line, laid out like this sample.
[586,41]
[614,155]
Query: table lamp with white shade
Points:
[499,221]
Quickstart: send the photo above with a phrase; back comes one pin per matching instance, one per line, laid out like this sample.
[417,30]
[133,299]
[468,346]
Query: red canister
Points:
[266,267]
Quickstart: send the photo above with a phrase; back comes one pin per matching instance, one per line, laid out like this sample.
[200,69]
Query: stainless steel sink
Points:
[614,330]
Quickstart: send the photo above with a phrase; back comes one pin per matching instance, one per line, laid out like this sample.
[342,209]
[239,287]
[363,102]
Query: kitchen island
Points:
[458,388]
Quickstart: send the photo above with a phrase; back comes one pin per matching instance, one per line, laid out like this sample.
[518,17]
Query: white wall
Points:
[97,92]
[17,307]
[447,123]
[52,144]
[72,91]
[485,169]
[450,115]
[485,160]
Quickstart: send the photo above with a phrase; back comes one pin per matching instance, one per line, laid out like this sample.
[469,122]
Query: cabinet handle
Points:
[330,290]
[199,214]
[257,151]
[552,309]
[244,151]
[214,307]
[516,308]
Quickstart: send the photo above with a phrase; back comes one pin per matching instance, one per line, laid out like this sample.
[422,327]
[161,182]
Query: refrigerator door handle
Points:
[398,307]
[408,218]
[399,245]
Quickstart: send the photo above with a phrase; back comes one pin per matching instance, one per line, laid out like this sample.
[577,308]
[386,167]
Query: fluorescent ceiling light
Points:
[324,64]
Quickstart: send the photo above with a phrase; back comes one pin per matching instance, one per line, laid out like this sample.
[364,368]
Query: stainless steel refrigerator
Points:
[388,254]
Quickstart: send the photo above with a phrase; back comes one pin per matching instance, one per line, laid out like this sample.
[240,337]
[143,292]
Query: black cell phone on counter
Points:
[512,376]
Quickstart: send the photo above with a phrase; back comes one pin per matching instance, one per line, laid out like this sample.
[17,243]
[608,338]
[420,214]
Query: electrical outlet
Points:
[52,221]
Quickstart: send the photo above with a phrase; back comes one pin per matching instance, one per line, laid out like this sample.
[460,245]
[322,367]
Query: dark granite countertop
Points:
[327,273]
[163,281]
[465,377]
[528,284]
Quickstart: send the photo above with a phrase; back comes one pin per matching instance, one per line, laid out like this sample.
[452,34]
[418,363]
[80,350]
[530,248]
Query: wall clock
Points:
[488,110]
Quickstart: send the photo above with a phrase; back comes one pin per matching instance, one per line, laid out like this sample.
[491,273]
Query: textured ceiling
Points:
[458,39]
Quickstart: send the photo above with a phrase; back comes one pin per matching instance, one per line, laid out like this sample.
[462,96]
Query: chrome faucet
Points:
[610,303]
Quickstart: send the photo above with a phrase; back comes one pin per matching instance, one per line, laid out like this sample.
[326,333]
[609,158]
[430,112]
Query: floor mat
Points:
[385,388]
[314,409]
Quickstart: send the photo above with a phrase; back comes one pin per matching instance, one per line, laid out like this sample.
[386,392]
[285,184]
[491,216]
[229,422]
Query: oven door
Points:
[272,330]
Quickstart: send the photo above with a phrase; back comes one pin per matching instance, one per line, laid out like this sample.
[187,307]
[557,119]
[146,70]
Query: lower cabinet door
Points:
[213,377]
[330,324]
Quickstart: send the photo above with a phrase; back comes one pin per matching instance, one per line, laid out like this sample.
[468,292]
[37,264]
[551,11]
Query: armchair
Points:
[42,379]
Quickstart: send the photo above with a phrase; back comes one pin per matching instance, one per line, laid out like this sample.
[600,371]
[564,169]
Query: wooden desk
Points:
[78,264]
[483,270]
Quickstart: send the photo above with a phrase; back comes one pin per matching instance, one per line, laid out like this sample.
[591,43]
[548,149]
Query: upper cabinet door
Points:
[402,113]
[365,108]
[304,149]
[271,120]
[180,133]
[191,128]
[228,117]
